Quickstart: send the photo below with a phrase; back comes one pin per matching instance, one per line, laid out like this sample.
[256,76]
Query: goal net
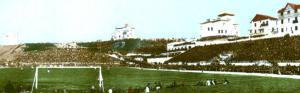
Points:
[74,74]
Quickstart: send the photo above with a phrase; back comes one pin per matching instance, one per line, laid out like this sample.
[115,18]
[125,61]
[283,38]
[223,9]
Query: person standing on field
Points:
[147,90]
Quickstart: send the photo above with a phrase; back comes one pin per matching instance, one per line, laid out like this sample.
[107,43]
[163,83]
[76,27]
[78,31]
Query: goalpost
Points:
[36,74]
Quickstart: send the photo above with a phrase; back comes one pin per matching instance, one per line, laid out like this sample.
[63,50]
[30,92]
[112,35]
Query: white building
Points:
[288,20]
[66,45]
[126,32]
[224,25]
[286,24]
[183,45]
[263,25]
[158,60]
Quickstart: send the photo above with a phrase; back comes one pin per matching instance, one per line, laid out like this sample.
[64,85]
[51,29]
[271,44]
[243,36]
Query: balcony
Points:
[288,15]
[274,31]
[264,24]
[295,21]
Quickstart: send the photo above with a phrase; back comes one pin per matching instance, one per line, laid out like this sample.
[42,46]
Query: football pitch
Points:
[80,80]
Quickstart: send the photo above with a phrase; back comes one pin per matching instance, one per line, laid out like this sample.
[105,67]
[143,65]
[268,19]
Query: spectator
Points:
[208,82]
[158,88]
[213,82]
[226,81]
[111,91]
[93,89]
[147,90]
[130,90]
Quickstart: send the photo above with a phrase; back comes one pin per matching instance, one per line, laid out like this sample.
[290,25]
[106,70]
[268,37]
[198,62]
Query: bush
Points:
[152,50]
[103,46]
[38,46]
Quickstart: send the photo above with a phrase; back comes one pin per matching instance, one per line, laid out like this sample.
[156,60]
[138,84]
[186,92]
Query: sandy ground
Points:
[8,52]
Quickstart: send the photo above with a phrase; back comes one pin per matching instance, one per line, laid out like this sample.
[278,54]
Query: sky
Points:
[31,21]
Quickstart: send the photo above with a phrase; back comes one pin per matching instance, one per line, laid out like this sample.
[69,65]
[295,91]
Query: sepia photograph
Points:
[149,46]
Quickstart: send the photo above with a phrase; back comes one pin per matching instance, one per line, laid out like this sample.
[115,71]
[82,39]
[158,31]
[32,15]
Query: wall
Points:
[158,60]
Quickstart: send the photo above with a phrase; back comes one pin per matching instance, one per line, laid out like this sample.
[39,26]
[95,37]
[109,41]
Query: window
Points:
[254,24]
[281,21]
[254,31]
[296,10]
[288,20]
[282,29]
[288,12]
[296,20]
[296,28]
[261,30]
[250,31]
[208,29]
[225,31]
[281,13]
[211,28]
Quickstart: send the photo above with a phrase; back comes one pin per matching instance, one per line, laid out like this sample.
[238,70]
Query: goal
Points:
[36,75]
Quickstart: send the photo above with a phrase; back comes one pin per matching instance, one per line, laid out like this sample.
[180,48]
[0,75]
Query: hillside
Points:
[88,51]
[140,46]
[9,52]
[38,46]
[127,45]
[285,48]
[82,55]
[101,46]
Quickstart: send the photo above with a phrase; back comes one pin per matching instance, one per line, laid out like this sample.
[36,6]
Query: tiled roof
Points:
[225,14]
[259,17]
[213,21]
[294,6]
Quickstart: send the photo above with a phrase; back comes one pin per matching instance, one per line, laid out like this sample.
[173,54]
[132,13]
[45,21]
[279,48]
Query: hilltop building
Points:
[67,45]
[262,25]
[286,24]
[288,19]
[126,32]
[224,25]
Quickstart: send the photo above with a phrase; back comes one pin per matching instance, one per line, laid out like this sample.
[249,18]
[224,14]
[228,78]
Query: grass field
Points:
[122,78]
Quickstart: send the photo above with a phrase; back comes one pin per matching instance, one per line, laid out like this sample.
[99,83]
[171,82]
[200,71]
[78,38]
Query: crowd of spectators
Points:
[285,48]
[288,70]
[82,55]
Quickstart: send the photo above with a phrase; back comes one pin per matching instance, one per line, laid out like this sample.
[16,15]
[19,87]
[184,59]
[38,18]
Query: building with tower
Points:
[125,32]
[224,25]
